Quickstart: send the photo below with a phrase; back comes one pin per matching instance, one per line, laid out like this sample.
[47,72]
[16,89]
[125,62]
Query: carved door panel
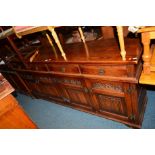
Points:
[111,99]
[74,92]
[48,87]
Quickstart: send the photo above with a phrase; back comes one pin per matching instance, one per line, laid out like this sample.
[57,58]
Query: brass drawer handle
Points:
[101,71]
[63,69]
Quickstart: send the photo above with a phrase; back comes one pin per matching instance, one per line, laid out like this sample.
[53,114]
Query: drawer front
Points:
[71,68]
[104,70]
[107,86]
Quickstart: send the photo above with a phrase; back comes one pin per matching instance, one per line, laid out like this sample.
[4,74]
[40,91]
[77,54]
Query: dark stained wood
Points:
[103,85]
[110,97]
[104,70]
[98,51]
[17,51]
[17,82]
[64,68]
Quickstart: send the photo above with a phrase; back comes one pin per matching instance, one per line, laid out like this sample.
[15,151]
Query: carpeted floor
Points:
[48,115]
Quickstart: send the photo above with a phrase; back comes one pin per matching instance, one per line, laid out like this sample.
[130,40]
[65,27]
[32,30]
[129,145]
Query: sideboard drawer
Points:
[71,68]
[107,70]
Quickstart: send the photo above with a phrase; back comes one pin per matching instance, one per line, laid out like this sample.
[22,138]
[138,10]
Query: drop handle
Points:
[101,71]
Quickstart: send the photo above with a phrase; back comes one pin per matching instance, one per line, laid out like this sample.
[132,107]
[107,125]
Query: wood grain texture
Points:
[147,78]
[5,87]
[12,116]
[102,85]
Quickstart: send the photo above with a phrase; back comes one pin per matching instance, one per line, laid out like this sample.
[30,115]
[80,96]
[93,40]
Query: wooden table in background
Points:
[12,116]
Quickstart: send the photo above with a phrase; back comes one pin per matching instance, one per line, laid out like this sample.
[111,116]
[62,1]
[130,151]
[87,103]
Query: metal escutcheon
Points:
[101,71]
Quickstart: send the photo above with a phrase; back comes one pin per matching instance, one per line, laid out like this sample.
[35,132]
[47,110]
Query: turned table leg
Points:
[83,39]
[146,53]
[51,29]
[121,42]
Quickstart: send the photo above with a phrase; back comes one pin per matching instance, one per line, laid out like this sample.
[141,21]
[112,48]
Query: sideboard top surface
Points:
[100,51]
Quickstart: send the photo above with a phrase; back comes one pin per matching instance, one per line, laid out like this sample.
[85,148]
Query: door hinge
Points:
[129,90]
[132,117]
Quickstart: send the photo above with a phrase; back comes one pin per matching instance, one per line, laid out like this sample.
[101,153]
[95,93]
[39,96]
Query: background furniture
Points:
[12,115]
[148,74]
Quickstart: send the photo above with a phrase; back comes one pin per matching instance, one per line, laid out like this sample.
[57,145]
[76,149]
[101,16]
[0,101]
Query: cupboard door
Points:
[74,92]
[111,99]
[47,86]
[43,86]
[29,80]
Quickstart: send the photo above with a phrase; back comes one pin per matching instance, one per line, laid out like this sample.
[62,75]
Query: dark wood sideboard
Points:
[103,84]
